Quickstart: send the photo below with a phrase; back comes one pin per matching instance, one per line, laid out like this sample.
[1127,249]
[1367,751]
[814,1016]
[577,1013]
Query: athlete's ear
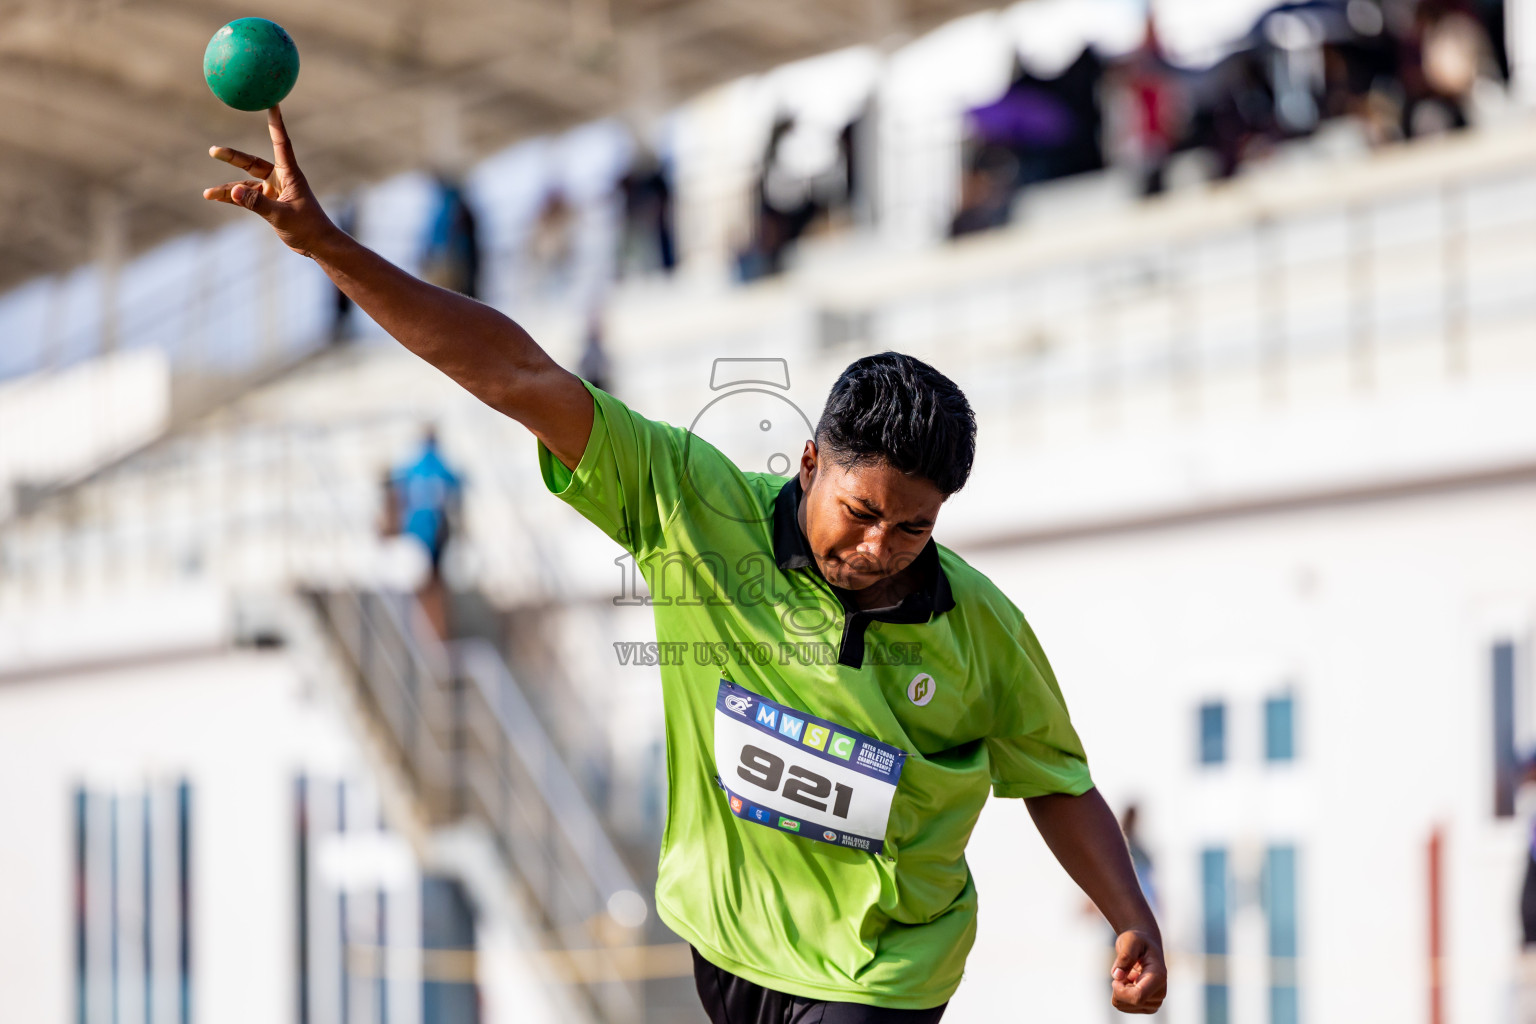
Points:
[808,465]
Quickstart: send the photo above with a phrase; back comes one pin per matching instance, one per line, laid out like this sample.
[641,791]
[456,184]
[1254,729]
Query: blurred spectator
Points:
[1528,890]
[451,256]
[647,243]
[594,366]
[793,195]
[1141,863]
[389,511]
[1152,95]
[1490,14]
[852,150]
[551,245]
[986,190]
[784,209]
[427,496]
[1049,126]
[1038,130]
[1446,54]
[345,217]
[1526,979]
[1362,75]
[1235,116]
[1293,36]
[1141,860]
[1396,68]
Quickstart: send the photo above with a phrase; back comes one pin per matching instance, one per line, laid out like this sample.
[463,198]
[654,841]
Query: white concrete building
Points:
[1259,462]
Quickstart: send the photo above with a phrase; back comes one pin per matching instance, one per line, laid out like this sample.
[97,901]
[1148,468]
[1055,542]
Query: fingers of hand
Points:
[1129,949]
[247,194]
[1134,1008]
[1142,993]
[236,193]
[253,165]
[1134,999]
[282,146]
[221,193]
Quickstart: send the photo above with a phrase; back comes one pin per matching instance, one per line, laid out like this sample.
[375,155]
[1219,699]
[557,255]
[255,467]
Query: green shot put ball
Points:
[251,63]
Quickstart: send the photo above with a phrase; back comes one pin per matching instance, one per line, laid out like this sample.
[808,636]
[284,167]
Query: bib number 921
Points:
[766,770]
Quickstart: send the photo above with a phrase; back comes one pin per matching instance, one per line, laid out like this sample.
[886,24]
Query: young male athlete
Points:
[819,806]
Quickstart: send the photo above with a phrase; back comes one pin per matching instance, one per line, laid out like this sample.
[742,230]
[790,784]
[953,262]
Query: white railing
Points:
[473,748]
[1409,269]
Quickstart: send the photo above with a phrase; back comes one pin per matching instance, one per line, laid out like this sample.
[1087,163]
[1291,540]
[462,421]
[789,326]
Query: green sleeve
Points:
[628,481]
[1033,747]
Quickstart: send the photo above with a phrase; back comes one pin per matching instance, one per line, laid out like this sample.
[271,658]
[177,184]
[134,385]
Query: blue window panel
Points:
[1283,1007]
[1280,729]
[1280,900]
[1213,733]
[1213,892]
[1218,1005]
[1215,895]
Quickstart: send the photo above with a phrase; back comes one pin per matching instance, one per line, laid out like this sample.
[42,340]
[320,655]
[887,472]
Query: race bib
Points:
[798,773]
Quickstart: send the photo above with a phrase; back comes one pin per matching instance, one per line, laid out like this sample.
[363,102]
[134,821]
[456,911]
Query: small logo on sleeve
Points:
[920,690]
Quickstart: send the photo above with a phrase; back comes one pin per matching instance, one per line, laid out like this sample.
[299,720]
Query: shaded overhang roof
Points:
[105,119]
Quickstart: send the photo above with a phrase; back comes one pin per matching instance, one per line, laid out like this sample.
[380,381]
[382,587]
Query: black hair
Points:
[895,409]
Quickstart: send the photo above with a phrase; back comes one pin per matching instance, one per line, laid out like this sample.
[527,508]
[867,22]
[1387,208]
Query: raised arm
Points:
[485,352]
[1084,836]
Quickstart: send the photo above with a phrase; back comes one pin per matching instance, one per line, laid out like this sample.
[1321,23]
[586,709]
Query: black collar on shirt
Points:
[792,551]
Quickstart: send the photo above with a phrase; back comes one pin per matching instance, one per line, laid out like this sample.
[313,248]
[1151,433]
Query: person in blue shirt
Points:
[427,495]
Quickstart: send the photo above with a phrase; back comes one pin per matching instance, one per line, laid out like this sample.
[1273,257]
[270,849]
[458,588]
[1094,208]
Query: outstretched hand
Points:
[276,191]
[1139,979]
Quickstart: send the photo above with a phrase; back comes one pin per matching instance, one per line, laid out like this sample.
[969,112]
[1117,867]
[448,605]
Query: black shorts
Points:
[732,1000]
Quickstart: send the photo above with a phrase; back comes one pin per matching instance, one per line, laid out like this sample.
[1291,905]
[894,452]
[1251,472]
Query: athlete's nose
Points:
[875,547]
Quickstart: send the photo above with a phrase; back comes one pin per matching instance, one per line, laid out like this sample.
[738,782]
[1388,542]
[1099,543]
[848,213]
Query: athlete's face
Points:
[864,524]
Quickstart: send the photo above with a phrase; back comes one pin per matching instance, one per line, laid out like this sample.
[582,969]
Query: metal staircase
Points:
[266,509]
[466,736]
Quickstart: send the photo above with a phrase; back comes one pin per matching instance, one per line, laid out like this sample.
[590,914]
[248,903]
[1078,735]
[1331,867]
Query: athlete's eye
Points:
[864,516]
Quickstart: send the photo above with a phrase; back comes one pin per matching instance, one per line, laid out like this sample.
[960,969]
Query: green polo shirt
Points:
[953,677]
